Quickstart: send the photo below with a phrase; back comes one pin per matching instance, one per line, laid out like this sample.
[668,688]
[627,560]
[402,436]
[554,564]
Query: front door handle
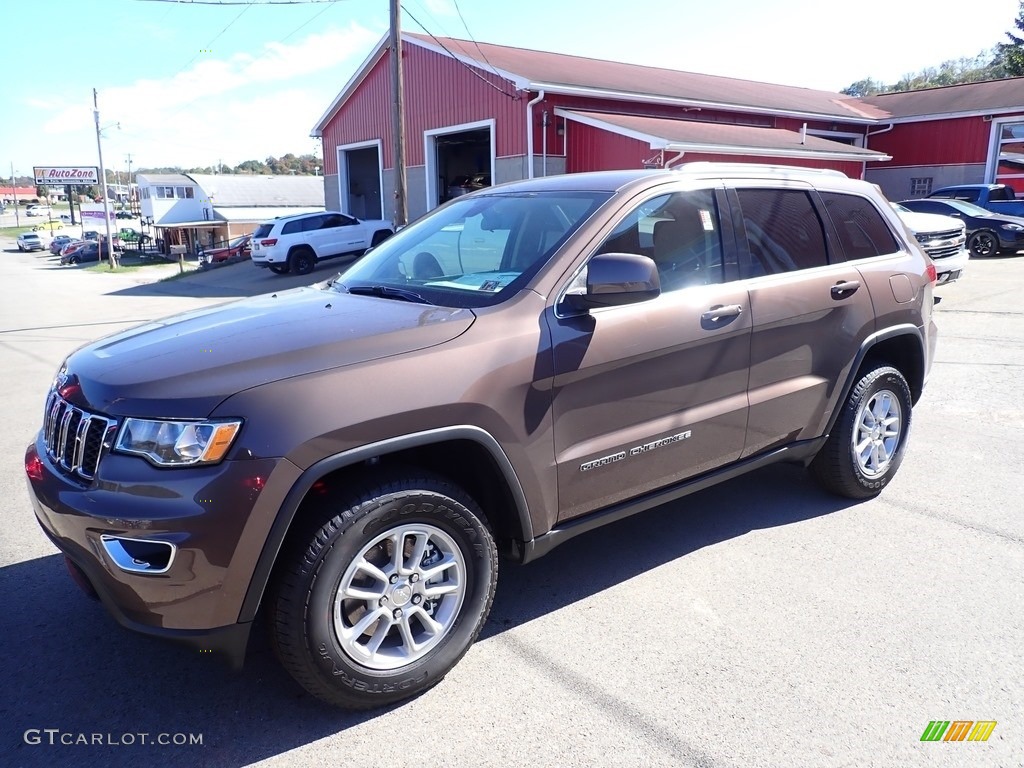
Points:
[844,288]
[721,311]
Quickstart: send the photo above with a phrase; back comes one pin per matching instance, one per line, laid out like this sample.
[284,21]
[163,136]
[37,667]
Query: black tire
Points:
[302,260]
[304,627]
[380,236]
[280,269]
[73,260]
[837,466]
[983,243]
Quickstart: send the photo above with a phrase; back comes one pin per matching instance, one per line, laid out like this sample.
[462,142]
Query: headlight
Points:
[177,443]
[1013,227]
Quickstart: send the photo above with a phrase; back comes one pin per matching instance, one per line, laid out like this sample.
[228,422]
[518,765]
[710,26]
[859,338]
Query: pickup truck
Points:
[998,198]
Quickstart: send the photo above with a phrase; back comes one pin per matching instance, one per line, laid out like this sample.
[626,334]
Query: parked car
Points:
[988,233]
[998,198]
[463,185]
[64,218]
[943,238]
[239,247]
[48,226]
[124,215]
[89,250]
[129,235]
[30,241]
[37,210]
[296,243]
[348,459]
[58,243]
[91,234]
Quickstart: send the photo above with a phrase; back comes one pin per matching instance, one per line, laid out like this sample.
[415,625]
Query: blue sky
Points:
[195,84]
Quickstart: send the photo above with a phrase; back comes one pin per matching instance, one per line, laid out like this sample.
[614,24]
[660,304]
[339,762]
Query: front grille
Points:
[941,245]
[74,438]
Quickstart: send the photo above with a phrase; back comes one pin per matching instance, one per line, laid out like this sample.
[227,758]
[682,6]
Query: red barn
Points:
[959,134]
[480,114]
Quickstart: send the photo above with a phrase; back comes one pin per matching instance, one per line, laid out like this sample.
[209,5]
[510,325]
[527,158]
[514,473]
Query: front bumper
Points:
[215,519]
[951,268]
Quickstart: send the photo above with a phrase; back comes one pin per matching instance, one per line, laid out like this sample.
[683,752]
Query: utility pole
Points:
[14,191]
[401,217]
[132,203]
[103,179]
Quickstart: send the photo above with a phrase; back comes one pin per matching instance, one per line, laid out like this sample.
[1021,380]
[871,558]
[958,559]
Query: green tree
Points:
[1011,54]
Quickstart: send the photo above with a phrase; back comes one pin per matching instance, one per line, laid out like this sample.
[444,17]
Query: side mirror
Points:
[614,279]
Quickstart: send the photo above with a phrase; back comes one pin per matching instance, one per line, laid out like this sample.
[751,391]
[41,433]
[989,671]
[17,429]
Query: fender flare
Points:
[286,514]
[862,354]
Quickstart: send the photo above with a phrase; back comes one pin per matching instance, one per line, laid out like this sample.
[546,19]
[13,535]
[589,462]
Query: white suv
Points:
[297,243]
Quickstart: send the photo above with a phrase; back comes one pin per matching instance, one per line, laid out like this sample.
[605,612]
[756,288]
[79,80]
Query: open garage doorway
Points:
[460,159]
[360,180]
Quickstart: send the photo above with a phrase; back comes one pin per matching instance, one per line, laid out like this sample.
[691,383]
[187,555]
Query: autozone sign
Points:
[66,174]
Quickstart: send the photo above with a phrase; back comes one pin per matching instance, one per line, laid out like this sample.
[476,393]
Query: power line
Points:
[209,45]
[466,27]
[476,74]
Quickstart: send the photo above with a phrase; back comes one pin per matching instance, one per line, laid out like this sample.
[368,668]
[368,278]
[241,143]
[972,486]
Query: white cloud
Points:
[236,108]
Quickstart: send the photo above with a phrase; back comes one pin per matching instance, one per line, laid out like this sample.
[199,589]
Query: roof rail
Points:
[750,169]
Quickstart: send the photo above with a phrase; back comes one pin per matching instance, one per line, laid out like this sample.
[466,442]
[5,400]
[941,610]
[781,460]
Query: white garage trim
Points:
[430,153]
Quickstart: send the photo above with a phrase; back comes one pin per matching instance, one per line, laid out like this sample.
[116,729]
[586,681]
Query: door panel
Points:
[648,394]
[803,342]
[809,310]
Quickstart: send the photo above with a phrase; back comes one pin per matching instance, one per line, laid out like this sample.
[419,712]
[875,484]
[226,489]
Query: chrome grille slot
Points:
[74,437]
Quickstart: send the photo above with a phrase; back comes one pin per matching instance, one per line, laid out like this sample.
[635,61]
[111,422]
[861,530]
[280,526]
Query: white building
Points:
[200,209]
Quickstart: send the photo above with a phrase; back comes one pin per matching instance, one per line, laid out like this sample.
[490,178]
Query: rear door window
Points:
[783,232]
[862,231]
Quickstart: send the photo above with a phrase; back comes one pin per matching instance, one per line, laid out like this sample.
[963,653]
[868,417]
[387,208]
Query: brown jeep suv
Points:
[523,364]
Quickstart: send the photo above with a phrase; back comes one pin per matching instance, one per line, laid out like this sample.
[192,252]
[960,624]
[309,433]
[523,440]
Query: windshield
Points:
[474,252]
[969,208]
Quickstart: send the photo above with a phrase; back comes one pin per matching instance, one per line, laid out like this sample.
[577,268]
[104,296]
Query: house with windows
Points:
[194,210]
[479,114]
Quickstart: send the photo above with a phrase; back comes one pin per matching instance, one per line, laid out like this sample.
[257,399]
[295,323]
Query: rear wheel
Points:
[865,448]
[380,237]
[983,243]
[302,260]
[380,601]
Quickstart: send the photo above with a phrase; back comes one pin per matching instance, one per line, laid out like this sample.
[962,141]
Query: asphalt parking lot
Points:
[760,623]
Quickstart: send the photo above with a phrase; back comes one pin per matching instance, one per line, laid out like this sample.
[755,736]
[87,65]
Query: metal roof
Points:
[242,190]
[562,73]
[160,179]
[260,214]
[991,96]
[717,138]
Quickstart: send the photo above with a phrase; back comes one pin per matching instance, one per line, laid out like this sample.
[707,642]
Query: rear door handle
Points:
[844,288]
[720,311]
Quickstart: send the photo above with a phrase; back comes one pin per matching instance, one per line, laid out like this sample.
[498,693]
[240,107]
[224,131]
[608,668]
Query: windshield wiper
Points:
[386,292]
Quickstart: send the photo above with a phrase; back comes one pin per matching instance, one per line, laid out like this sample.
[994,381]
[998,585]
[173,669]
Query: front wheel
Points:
[983,243]
[865,448]
[383,599]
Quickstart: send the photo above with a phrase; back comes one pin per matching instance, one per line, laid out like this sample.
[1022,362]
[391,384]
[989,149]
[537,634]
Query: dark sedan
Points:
[987,233]
[89,250]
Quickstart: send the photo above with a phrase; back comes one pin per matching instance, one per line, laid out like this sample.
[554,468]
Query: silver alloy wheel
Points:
[399,596]
[877,432]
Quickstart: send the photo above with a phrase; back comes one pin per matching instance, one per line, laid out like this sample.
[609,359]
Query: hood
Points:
[929,222]
[183,366]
